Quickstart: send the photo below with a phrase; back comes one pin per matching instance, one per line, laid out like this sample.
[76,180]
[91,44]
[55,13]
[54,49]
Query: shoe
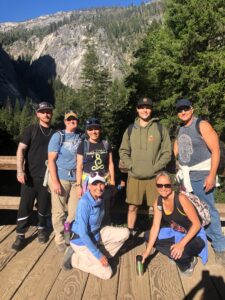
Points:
[220,258]
[61,247]
[42,236]
[19,243]
[66,262]
[190,270]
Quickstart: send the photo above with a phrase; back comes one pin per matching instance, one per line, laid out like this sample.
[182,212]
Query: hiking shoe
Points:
[42,236]
[61,247]
[220,258]
[66,262]
[190,270]
[19,243]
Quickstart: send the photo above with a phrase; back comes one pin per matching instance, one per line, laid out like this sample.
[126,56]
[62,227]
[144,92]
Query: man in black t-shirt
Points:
[31,156]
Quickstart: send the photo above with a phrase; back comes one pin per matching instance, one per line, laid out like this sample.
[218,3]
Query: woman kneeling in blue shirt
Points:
[93,245]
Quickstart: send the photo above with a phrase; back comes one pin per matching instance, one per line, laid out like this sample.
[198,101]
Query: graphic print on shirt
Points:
[71,145]
[177,227]
[98,163]
[185,148]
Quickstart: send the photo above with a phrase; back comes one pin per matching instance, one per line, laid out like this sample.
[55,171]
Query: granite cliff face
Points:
[63,38]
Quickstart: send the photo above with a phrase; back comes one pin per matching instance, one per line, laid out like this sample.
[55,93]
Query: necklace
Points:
[43,131]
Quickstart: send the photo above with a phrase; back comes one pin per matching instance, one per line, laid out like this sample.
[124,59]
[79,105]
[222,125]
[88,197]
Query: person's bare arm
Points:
[79,172]
[210,137]
[153,232]
[111,169]
[56,185]
[20,155]
[178,248]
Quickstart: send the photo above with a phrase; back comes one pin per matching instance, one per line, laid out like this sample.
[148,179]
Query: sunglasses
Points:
[93,174]
[93,128]
[184,108]
[166,185]
[71,119]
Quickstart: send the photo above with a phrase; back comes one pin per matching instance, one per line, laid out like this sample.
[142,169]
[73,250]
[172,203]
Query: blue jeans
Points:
[213,231]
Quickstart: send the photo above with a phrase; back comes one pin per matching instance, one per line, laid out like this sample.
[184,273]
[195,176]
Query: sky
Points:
[22,10]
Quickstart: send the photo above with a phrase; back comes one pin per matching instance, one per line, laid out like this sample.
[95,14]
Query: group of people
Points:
[81,169]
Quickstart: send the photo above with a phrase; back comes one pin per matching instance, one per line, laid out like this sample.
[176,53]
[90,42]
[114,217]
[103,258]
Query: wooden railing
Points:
[12,202]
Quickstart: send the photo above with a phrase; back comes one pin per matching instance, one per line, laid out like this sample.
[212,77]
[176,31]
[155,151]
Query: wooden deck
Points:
[35,273]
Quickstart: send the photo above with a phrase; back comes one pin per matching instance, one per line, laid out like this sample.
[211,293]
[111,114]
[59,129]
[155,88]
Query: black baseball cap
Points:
[93,122]
[43,106]
[145,101]
[183,103]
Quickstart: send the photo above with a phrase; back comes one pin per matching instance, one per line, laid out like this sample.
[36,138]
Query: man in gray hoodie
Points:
[145,150]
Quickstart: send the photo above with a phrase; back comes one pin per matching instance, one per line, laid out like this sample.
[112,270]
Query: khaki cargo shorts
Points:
[138,189]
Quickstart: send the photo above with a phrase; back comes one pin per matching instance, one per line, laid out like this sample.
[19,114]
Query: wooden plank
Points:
[6,230]
[7,162]
[103,289]
[40,280]
[69,285]
[132,286]
[200,285]
[6,253]
[14,273]
[164,279]
[9,202]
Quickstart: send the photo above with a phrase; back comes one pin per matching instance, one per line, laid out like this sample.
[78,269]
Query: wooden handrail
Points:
[7,162]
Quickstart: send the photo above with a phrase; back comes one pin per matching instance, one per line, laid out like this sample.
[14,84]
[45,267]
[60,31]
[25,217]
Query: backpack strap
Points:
[160,128]
[159,203]
[197,126]
[62,137]
[106,145]
[86,148]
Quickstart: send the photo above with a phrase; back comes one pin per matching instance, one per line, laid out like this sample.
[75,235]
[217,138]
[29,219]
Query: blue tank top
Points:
[192,149]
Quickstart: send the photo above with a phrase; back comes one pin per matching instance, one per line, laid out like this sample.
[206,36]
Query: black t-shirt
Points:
[177,219]
[36,137]
[96,158]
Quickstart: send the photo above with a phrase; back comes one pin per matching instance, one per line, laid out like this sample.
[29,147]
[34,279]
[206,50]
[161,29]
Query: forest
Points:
[182,55]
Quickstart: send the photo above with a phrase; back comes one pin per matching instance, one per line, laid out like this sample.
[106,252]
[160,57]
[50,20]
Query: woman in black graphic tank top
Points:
[176,231]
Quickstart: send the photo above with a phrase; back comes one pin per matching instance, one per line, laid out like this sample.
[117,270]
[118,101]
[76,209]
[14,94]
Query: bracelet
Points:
[78,184]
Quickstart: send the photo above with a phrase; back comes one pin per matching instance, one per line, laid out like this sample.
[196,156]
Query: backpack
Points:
[221,167]
[87,146]
[170,167]
[201,208]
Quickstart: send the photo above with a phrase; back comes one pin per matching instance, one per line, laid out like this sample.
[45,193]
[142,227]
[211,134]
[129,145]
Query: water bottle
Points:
[139,265]
[67,233]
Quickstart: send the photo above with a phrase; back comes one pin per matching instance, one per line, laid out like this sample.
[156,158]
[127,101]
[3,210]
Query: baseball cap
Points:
[70,113]
[43,106]
[183,103]
[93,122]
[96,176]
[145,101]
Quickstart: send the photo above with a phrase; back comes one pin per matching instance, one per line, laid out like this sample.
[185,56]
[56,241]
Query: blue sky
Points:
[21,10]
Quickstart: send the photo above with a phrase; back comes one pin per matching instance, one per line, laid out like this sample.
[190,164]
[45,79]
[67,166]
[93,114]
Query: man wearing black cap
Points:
[31,156]
[145,150]
[197,148]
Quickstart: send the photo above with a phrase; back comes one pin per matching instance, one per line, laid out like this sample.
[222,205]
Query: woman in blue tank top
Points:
[176,231]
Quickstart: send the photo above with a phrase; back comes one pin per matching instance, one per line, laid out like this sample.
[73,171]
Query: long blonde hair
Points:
[164,174]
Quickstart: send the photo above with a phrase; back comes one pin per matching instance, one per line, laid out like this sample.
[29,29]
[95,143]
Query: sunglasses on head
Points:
[183,108]
[93,174]
[166,185]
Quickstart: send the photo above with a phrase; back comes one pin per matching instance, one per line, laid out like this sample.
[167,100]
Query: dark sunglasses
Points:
[71,119]
[183,108]
[166,185]
[93,128]
[93,174]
